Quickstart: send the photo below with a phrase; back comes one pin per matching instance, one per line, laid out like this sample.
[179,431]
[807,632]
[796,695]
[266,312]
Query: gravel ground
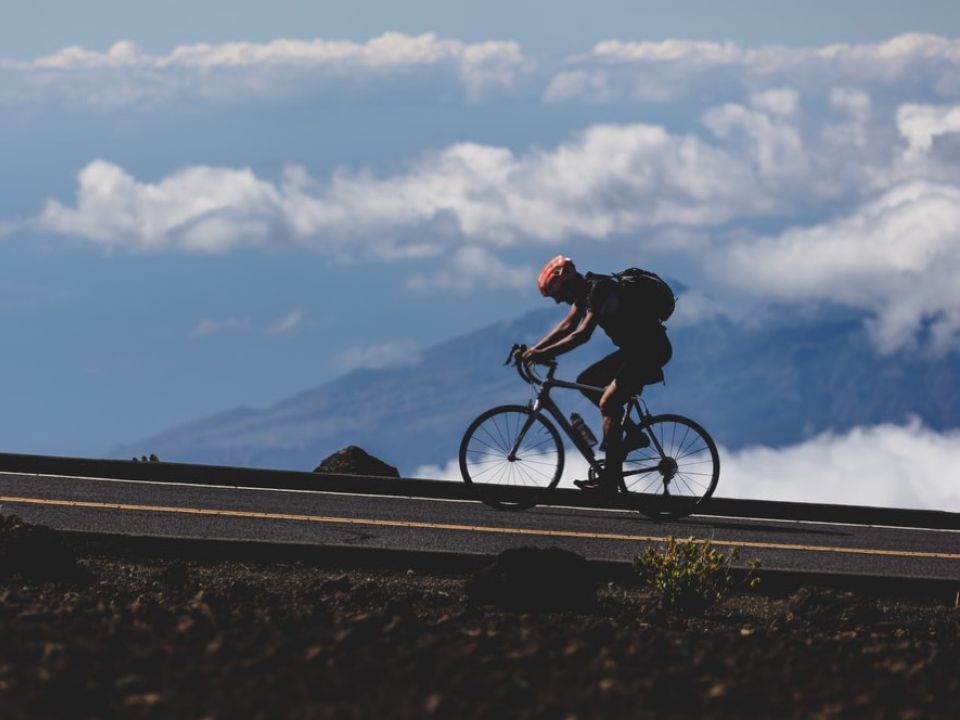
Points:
[89,633]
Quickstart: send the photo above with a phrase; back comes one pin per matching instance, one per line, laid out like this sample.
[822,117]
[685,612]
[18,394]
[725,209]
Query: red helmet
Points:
[555,275]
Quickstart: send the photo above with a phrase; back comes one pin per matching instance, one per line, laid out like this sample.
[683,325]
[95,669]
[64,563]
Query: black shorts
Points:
[632,368]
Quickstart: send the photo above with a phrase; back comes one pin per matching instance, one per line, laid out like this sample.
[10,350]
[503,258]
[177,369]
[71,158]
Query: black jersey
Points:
[625,327]
[643,339]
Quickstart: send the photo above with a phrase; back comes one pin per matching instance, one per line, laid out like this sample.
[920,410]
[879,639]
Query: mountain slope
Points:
[773,384]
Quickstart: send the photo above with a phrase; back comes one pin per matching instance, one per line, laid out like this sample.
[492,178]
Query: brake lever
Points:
[515,352]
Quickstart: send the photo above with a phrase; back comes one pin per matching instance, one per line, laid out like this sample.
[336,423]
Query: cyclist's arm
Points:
[562,329]
[568,342]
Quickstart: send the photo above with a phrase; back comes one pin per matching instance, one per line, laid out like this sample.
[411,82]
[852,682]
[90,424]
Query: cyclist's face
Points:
[567,294]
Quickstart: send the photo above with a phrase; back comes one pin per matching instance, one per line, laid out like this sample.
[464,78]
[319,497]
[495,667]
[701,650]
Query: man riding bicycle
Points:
[642,351]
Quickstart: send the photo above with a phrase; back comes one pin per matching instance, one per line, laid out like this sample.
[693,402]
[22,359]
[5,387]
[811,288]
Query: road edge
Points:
[773,581]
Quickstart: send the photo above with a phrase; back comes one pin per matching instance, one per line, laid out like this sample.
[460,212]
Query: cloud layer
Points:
[607,180]
[125,76]
[431,68]
[812,175]
[668,71]
[900,466]
[883,189]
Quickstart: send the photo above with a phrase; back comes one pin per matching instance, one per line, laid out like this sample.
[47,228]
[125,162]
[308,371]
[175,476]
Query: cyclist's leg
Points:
[612,402]
[630,379]
[642,365]
[600,374]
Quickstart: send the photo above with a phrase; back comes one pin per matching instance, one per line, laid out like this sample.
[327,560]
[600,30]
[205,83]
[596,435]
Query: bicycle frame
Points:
[545,402]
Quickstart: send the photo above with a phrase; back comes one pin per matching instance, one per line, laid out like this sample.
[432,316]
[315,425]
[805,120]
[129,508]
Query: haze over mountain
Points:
[772,383]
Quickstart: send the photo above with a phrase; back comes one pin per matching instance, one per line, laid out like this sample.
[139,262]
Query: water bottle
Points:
[583,429]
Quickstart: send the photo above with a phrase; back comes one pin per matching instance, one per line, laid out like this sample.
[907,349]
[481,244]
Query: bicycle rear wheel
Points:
[676,472]
[485,454]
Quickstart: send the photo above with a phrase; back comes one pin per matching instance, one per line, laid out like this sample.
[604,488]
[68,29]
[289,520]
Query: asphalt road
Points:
[371,521]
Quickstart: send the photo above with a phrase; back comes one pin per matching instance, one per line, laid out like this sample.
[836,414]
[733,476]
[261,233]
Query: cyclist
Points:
[642,351]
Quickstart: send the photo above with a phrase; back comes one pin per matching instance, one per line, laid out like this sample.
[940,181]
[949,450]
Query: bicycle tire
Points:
[672,484]
[493,434]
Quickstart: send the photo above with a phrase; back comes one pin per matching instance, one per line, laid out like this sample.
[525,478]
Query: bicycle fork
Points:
[535,408]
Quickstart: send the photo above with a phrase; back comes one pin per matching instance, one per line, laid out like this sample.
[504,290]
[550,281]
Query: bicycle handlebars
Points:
[524,370]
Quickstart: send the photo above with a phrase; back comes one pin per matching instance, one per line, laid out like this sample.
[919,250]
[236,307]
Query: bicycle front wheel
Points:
[676,471]
[510,446]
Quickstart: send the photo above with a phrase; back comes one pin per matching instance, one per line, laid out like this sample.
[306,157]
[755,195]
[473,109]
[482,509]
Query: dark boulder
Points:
[35,552]
[530,578]
[355,461]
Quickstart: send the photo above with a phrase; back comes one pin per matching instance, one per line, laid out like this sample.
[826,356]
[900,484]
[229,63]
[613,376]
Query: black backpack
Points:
[646,293]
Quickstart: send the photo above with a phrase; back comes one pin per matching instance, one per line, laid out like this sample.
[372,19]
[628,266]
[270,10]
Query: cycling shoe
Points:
[595,485]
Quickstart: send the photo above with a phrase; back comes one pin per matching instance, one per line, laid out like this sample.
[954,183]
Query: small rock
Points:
[353,460]
[144,699]
[536,579]
[433,703]
[717,690]
[341,583]
[35,552]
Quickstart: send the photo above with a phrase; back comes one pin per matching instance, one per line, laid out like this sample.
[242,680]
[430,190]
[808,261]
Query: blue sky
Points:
[542,26]
[206,209]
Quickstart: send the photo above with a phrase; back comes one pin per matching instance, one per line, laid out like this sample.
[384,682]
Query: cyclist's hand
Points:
[534,356]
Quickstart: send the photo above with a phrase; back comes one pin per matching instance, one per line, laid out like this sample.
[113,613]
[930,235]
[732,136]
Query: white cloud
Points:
[288,324]
[607,180]
[897,255]
[470,268]
[900,466]
[125,75]
[207,327]
[757,160]
[771,137]
[922,124]
[670,70]
[885,465]
[199,208]
[855,103]
[391,49]
[285,325]
[694,307]
[374,357]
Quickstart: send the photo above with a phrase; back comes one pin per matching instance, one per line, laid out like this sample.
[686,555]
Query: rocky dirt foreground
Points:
[91,630]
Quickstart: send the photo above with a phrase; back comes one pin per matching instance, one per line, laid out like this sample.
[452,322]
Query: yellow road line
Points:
[376,522]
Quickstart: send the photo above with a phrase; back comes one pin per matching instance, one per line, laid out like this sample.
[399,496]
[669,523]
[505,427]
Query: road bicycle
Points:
[674,470]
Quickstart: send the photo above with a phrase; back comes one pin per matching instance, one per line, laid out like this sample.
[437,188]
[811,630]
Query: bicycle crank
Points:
[668,469]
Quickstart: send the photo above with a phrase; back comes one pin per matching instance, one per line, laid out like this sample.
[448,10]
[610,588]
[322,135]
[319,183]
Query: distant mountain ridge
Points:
[774,383]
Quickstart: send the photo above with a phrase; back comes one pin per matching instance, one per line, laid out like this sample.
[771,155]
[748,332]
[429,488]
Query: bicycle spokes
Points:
[512,446]
[680,462]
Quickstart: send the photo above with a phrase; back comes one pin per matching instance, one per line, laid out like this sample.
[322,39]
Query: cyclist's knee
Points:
[611,402]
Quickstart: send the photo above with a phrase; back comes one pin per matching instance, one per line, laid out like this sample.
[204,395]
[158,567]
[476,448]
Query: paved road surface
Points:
[164,509]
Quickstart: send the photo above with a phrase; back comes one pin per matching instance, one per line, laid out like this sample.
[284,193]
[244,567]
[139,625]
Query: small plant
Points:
[691,575]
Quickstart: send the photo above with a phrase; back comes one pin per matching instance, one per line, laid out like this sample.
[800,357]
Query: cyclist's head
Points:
[558,278]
